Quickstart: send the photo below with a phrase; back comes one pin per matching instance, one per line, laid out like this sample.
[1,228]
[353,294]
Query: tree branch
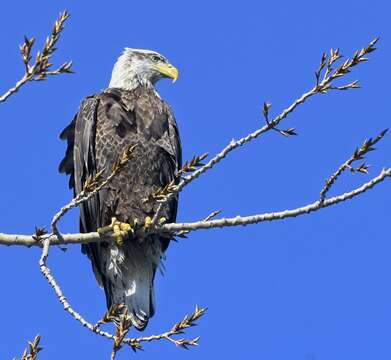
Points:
[41,67]
[80,238]
[321,87]
[255,219]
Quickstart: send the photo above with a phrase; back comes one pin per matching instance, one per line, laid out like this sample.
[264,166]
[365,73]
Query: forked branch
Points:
[177,329]
[358,154]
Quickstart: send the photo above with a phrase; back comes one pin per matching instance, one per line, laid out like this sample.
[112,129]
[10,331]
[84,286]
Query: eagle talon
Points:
[147,222]
[117,227]
[162,220]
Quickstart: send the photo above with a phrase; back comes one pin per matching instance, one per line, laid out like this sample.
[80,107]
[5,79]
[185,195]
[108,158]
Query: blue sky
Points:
[315,287]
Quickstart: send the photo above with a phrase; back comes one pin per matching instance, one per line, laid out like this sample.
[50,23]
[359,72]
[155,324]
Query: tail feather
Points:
[129,273]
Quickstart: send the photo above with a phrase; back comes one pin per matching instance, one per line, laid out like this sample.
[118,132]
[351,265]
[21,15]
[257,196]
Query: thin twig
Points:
[183,233]
[178,328]
[42,66]
[161,194]
[92,186]
[33,349]
[123,324]
[357,155]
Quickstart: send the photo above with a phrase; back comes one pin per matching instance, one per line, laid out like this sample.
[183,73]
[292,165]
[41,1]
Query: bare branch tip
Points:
[33,349]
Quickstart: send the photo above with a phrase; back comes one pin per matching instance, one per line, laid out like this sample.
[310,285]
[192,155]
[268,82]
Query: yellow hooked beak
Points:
[168,70]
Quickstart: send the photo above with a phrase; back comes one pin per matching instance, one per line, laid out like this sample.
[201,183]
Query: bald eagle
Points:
[129,112]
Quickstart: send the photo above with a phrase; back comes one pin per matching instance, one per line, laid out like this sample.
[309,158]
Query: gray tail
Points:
[128,279]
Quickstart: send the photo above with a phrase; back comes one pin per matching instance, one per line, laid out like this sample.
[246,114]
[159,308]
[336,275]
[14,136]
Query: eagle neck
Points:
[129,83]
[127,78]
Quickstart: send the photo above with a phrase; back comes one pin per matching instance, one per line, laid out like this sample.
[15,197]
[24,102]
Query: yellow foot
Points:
[162,220]
[117,227]
[147,222]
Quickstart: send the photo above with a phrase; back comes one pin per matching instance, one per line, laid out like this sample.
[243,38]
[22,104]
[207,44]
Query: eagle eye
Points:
[157,58]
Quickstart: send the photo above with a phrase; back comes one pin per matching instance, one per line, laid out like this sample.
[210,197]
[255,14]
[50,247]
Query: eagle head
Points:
[137,66]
